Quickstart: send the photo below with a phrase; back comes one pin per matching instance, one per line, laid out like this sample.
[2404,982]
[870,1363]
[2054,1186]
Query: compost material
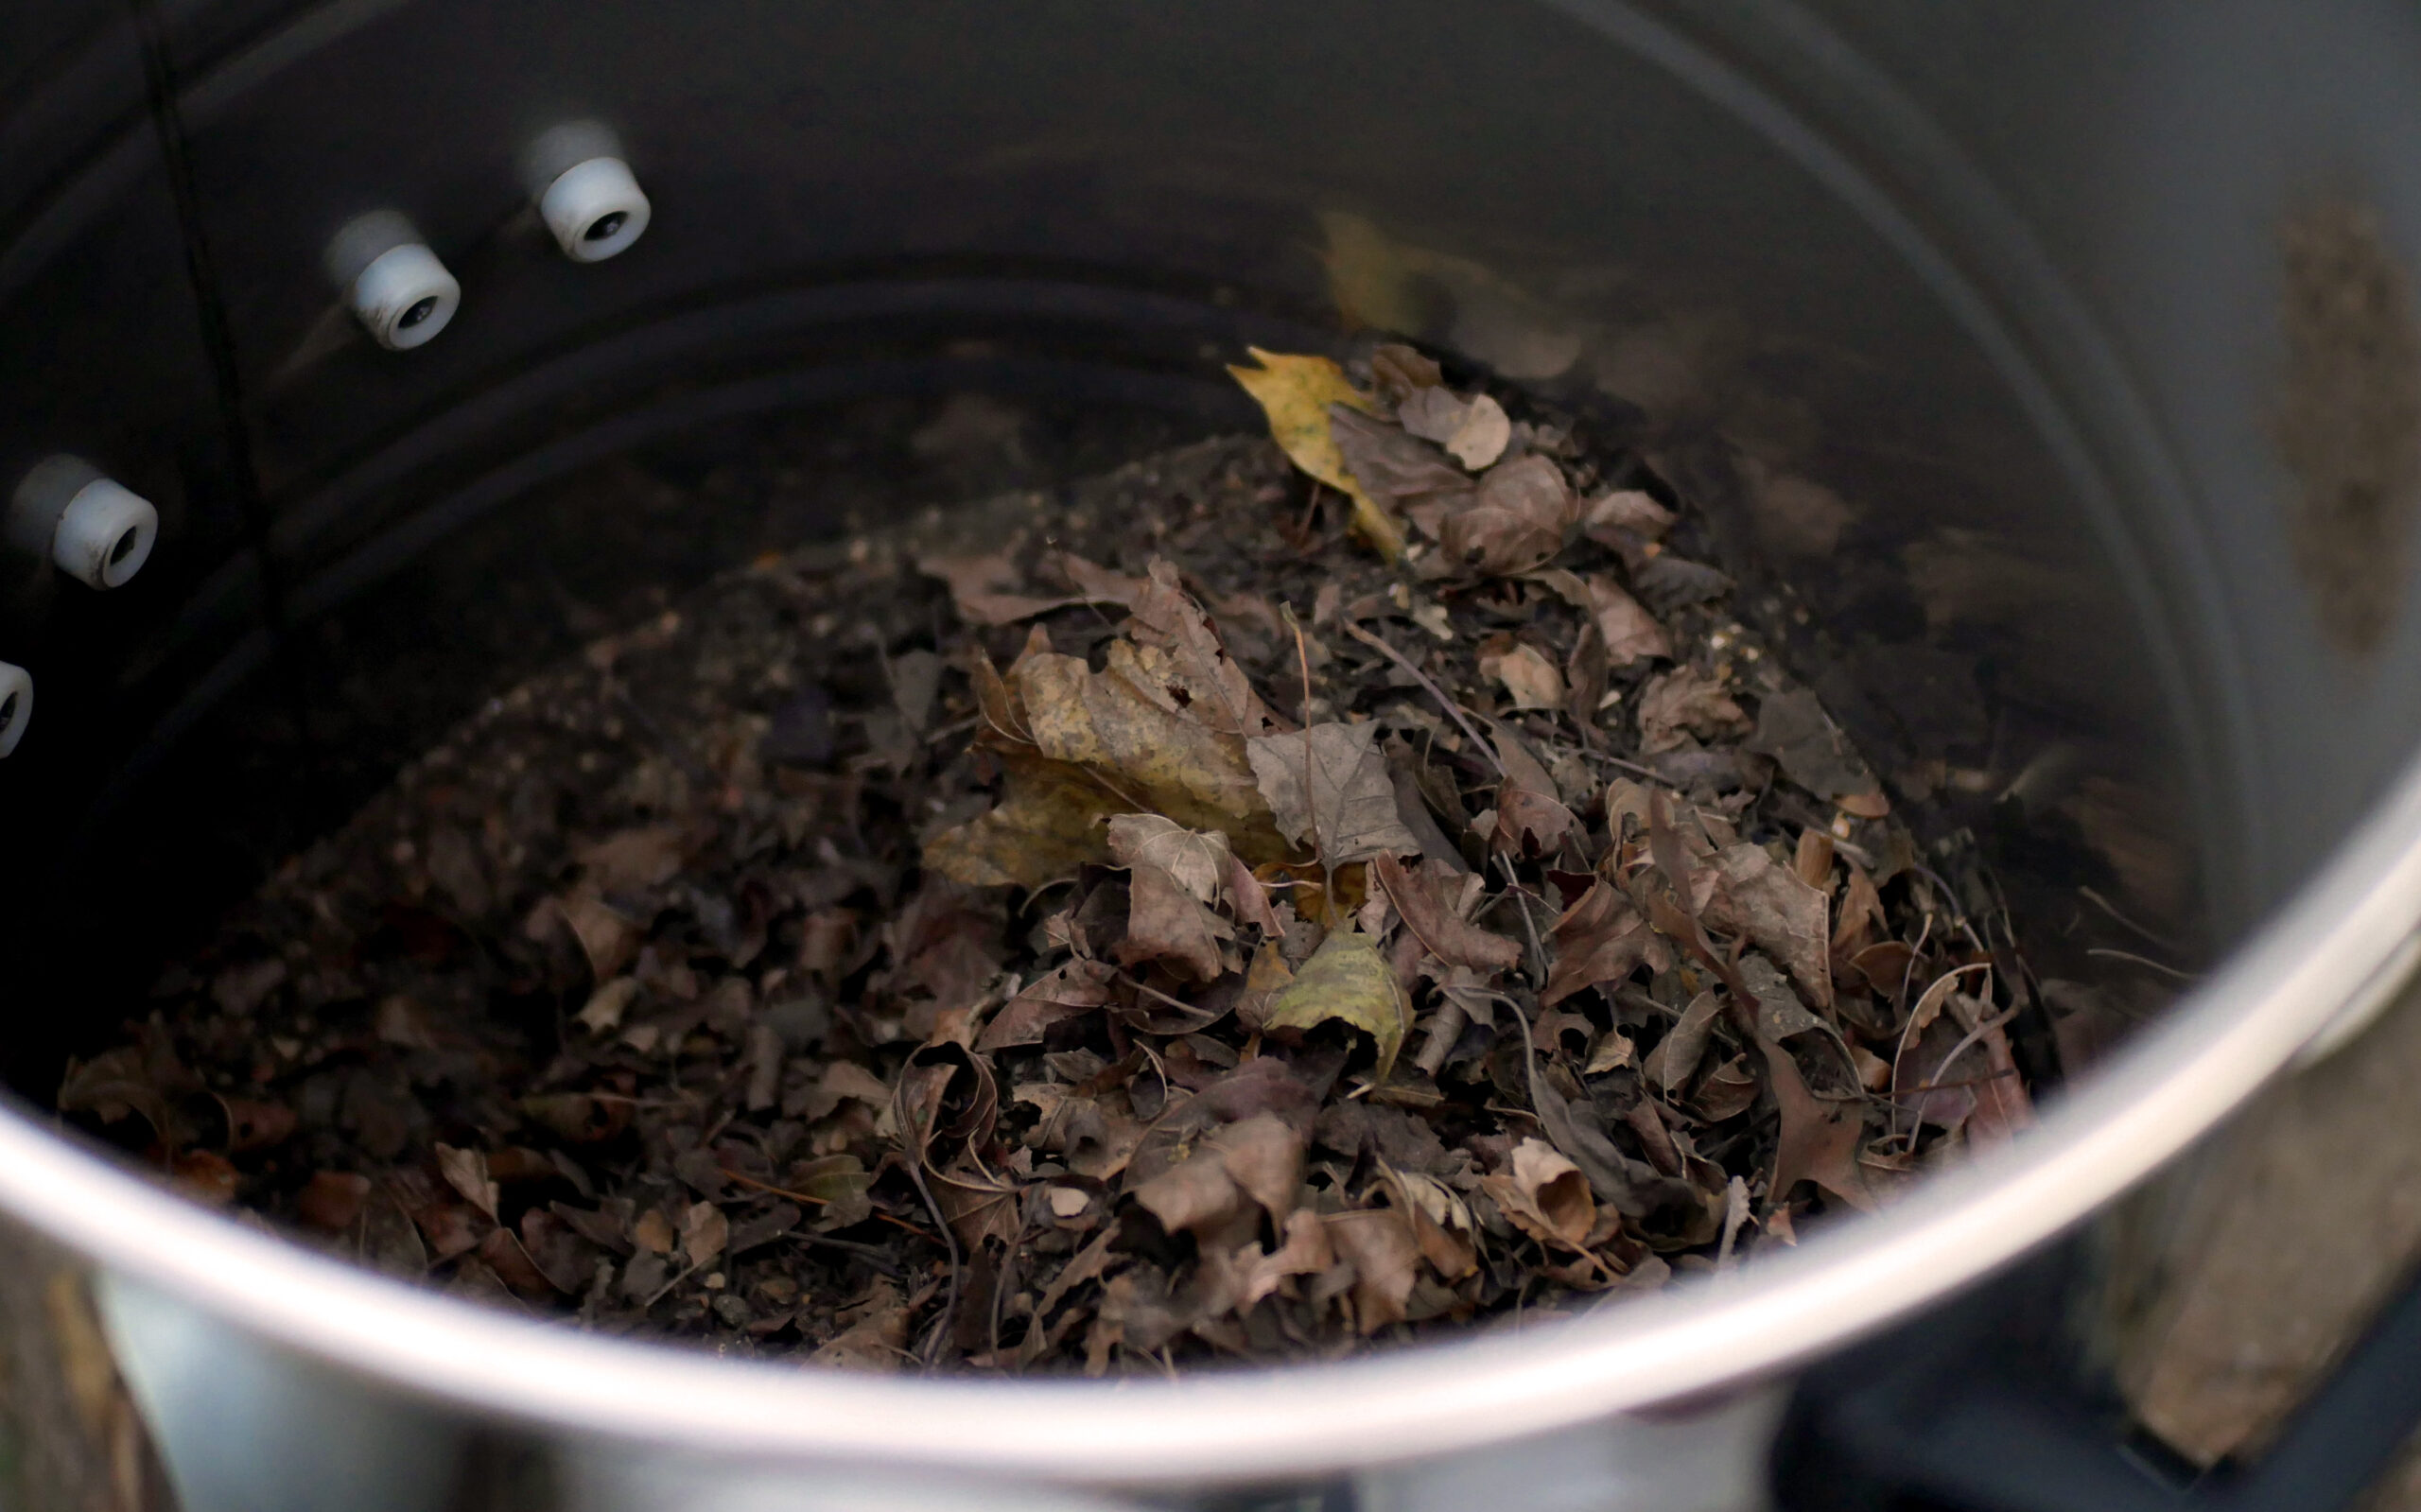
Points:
[1268,900]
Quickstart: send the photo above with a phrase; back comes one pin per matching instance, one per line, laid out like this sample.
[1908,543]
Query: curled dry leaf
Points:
[1394,466]
[1303,1250]
[1077,986]
[1544,1195]
[1349,981]
[1526,674]
[1348,810]
[1385,1256]
[1437,920]
[1630,632]
[1296,394]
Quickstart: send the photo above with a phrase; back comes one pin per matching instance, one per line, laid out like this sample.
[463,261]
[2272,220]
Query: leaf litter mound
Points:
[1228,911]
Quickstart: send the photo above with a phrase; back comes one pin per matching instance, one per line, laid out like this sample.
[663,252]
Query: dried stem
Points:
[1453,708]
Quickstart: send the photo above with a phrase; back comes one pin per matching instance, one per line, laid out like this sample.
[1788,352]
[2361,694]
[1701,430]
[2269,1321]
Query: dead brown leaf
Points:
[1686,702]
[1386,1263]
[1526,674]
[1165,922]
[1544,1195]
[1781,914]
[1348,810]
[1436,919]
[1630,632]
[1197,861]
[1192,668]
[1516,521]
[466,1172]
[1793,729]
[1599,939]
[1077,986]
[1818,1141]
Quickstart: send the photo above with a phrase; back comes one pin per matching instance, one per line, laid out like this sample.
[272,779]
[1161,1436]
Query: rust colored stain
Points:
[2348,422]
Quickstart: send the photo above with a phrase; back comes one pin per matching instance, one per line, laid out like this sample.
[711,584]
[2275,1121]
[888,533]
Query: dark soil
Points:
[976,946]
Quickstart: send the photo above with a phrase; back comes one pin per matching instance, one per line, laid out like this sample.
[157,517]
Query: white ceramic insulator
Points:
[16,706]
[105,534]
[405,297]
[595,209]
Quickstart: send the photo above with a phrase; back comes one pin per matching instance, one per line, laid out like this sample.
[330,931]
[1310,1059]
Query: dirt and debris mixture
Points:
[1269,900]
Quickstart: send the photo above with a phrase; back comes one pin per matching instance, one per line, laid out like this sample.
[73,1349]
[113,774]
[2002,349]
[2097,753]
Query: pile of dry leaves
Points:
[1234,916]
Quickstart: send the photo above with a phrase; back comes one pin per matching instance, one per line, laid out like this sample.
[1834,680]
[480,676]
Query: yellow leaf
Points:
[1295,393]
[1347,980]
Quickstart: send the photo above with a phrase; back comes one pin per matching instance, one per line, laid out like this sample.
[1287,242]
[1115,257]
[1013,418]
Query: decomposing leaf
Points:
[1819,1141]
[1081,746]
[1781,914]
[1296,394]
[1195,859]
[1328,785]
[1544,1195]
[1439,925]
[1526,674]
[1630,632]
[1675,1059]
[985,588]
[1792,728]
[1166,922]
[1193,669]
[1076,987]
[1625,519]
[1385,1256]
[1394,466]
[466,1172]
[1349,981]
[1516,520]
[705,1230]
[1599,939]
[1475,431]
[1686,702]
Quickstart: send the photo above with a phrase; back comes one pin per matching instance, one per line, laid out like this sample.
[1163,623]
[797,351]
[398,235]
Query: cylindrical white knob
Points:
[595,209]
[16,706]
[105,534]
[95,529]
[405,297]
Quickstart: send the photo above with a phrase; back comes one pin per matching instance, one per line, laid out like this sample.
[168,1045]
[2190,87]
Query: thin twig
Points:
[1529,926]
[2112,909]
[771,1190]
[2145,961]
[950,1301]
[1453,708]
